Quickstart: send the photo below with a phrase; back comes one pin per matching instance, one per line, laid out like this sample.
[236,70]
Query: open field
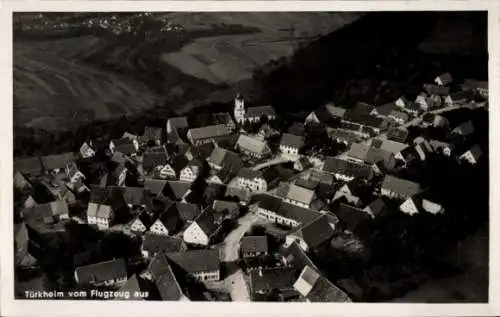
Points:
[232,58]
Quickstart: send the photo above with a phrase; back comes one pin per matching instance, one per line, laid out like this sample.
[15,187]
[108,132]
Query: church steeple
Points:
[239,109]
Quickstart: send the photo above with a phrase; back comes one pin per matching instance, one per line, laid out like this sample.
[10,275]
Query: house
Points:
[390,146]
[124,146]
[346,170]
[152,134]
[224,159]
[343,136]
[203,265]
[257,181]
[231,208]
[253,114]
[252,146]
[324,114]
[398,135]
[291,144]
[402,102]
[364,121]
[476,86]
[312,234]
[349,191]
[422,147]
[321,177]
[117,174]
[299,196]
[443,79]
[168,220]
[242,194]
[395,187]
[103,205]
[225,119]
[445,147]
[420,202]
[86,150]
[458,98]
[187,212]
[399,117]
[176,190]
[191,171]
[156,163]
[154,186]
[263,281]
[73,172]
[135,197]
[23,258]
[21,181]
[135,288]
[154,244]
[363,107]
[472,155]
[384,110]
[168,287]
[465,129]
[314,287]
[283,213]
[302,164]
[211,133]
[46,213]
[130,136]
[252,246]
[297,128]
[202,230]
[426,103]
[57,162]
[176,127]
[376,207]
[141,223]
[108,273]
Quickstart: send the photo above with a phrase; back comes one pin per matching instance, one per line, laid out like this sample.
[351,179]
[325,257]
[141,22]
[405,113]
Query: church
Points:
[251,114]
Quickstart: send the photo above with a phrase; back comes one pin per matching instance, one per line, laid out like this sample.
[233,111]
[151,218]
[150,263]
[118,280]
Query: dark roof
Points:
[31,165]
[156,243]
[222,118]
[158,265]
[187,212]
[110,196]
[241,193]
[203,151]
[465,128]
[376,206]
[125,146]
[322,114]
[221,206]
[54,161]
[297,128]
[363,119]
[344,167]
[461,95]
[134,284]
[270,174]
[474,84]
[135,195]
[154,186]
[101,272]
[167,285]
[292,140]
[306,183]
[397,134]
[179,122]
[295,256]
[351,217]
[299,214]
[152,134]
[322,289]
[314,232]
[363,107]
[445,78]
[321,177]
[154,159]
[269,279]
[249,173]
[401,186]
[270,203]
[194,261]
[209,222]
[211,131]
[176,189]
[254,244]
[260,111]
[168,213]
[385,109]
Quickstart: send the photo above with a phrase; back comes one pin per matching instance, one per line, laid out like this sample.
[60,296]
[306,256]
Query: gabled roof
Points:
[335,111]
[344,167]
[363,119]
[152,133]
[358,151]
[299,214]
[54,161]
[154,159]
[268,202]
[306,183]
[392,146]
[400,186]
[295,256]
[168,286]
[445,78]
[253,112]
[376,207]
[275,278]
[135,195]
[217,156]
[222,118]
[300,194]
[110,196]
[100,272]
[157,243]
[253,244]
[320,289]
[474,84]
[125,146]
[251,144]
[194,261]
[202,151]
[314,232]
[31,165]
[211,131]
[352,217]
[297,128]
[221,206]
[465,128]
[187,212]
[385,109]
[475,151]
[398,134]
[176,189]
[242,193]
[292,140]
[133,284]
[363,107]
[179,162]
[249,173]
[179,122]
[154,186]
[322,177]
[209,222]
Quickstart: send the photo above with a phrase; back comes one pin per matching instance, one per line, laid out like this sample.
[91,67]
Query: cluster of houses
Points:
[178,187]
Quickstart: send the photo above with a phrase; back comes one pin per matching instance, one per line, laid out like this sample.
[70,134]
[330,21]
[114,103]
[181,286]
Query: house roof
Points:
[322,115]
[222,118]
[59,207]
[194,261]
[217,156]
[130,136]
[152,133]
[241,193]
[300,194]
[221,205]
[154,186]
[125,146]
[335,111]
[352,217]
[100,272]
[375,156]
[274,278]
[202,151]
[31,165]
[297,128]
[111,196]
[376,206]
[292,140]
[187,211]
[344,167]
[54,161]
[314,232]
[306,183]
[253,112]
[474,84]
[133,284]
[465,128]
[322,289]
[445,78]
[176,189]
[321,177]
[358,151]
[385,109]
[295,256]
[167,285]
[253,244]
[154,159]
[401,186]
[399,115]
[397,134]
[270,174]
[179,122]
[157,243]
[299,214]
[363,107]
[211,131]
[268,202]
[37,213]
[392,146]
[249,173]
[475,151]
[363,119]
[179,162]
[251,144]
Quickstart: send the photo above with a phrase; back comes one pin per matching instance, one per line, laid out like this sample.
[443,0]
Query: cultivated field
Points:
[232,58]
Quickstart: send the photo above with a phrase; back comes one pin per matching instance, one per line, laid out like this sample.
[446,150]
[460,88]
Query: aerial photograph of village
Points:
[251,156]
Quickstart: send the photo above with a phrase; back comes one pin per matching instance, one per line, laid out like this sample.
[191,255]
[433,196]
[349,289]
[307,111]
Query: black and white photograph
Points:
[291,157]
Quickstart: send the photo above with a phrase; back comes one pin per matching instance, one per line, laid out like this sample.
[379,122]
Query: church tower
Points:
[239,109]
